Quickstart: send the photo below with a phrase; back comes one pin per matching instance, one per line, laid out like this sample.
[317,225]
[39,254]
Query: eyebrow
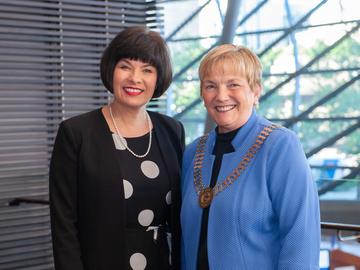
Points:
[208,81]
[129,63]
[124,60]
[233,80]
[228,81]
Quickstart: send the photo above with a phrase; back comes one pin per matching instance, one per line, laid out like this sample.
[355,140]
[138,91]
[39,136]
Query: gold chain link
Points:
[231,178]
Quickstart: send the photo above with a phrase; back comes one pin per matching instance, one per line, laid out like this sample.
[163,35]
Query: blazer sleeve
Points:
[295,201]
[63,201]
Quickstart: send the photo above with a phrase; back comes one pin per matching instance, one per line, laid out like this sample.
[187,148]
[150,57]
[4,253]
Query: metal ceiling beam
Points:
[320,102]
[320,119]
[291,29]
[230,21]
[190,64]
[334,184]
[310,63]
[252,12]
[187,20]
[333,139]
[317,119]
[297,95]
[306,72]
[266,31]
[332,167]
[317,71]
[219,9]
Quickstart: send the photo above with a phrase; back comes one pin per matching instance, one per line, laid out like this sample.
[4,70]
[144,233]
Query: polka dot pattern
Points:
[150,169]
[168,198]
[138,261]
[146,217]
[147,203]
[128,189]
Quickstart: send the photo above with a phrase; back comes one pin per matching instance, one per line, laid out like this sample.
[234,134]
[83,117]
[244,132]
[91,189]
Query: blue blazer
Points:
[267,219]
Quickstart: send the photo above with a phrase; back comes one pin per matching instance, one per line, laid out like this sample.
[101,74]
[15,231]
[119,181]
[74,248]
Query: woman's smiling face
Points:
[228,97]
[134,83]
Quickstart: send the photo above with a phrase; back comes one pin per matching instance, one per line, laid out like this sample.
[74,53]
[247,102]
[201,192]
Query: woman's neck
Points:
[131,123]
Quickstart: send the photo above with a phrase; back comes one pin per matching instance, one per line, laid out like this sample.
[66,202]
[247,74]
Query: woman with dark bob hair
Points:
[114,172]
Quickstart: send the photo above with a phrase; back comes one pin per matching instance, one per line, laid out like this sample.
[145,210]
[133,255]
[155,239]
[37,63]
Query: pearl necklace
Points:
[123,140]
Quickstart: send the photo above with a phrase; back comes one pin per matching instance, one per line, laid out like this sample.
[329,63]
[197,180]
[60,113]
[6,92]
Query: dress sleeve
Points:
[295,200]
[63,201]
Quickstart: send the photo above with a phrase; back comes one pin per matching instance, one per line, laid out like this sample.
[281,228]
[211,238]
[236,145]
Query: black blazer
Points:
[87,196]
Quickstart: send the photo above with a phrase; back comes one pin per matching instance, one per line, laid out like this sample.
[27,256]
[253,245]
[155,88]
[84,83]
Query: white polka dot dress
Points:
[147,202]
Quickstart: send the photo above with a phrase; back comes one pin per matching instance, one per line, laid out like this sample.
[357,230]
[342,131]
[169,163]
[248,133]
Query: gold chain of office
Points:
[206,194]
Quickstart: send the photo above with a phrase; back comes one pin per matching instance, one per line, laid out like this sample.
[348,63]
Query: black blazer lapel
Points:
[170,156]
[169,136]
[115,248]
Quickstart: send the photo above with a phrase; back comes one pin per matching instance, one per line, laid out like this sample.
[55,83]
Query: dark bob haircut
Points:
[138,43]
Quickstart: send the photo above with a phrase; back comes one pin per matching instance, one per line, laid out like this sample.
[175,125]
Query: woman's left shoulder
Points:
[161,116]
[163,119]
[169,127]
[280,134]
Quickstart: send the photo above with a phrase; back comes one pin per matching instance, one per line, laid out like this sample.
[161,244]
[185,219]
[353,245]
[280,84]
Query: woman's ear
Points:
[257,92]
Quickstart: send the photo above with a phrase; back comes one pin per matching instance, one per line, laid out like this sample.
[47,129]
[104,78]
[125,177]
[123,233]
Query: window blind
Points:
[49,71]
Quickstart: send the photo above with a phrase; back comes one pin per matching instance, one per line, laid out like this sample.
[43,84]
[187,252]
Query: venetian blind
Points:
[49,71]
